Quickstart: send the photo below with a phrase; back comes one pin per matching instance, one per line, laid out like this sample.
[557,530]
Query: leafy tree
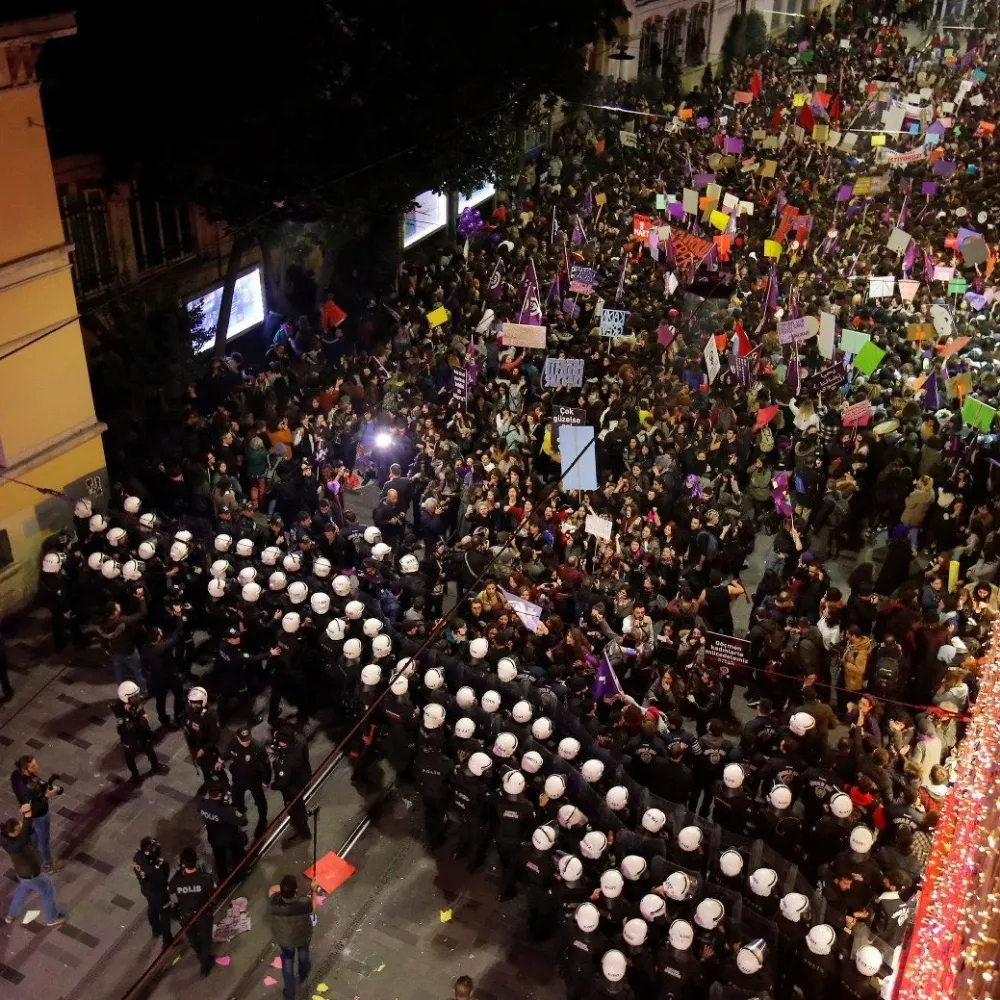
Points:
[746,36]
[314,111]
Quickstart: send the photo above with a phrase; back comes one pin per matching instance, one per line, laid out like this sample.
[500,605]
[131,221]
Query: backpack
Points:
[711,546]
[766,439]
[887,673]
[271,472]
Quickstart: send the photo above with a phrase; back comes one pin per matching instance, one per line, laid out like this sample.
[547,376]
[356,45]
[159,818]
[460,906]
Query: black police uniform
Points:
[225,835]
[434,772]
[513,821]
[136,737]
[680,974]
[471,796]
[201,730]
[538,871]
[816,976]
[250,770]
[292,772]
[189,891]
[153,873]
[581,960]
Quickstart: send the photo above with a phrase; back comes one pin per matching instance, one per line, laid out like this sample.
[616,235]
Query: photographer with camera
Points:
[33,794]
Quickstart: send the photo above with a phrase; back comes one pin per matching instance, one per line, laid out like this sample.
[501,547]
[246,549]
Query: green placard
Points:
[661,202]
[957,286]
[869,358]
[977,414]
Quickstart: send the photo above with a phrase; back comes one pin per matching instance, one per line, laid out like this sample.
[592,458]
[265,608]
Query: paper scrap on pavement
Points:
[31,915]
[270,981]
[276,963]
[445,916]
[223,960]
[322,988]
[381,967]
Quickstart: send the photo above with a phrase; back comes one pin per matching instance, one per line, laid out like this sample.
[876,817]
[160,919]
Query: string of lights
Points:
[953,951]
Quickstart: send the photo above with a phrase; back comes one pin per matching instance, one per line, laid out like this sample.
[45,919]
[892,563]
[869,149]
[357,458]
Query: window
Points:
[6,553]
[161,232]
[85,223]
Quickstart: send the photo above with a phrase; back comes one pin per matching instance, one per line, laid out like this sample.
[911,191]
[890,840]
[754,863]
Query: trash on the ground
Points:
[236,921]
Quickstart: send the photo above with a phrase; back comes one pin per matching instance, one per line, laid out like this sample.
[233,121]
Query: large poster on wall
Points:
[428,215]
[247,311]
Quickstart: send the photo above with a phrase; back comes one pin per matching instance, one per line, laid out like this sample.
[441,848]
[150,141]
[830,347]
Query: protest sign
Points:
[568,416]
[581,279]
[563,372]
[790,330]
[857,415]
[522,335]
[599,526]
[727,654]
[613,323]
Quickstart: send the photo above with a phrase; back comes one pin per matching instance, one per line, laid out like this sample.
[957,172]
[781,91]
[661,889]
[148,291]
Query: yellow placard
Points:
[437,317]
[862,186]
[768,168]
[878,140]
[720,220]
[953,568]
[821,133]
[798,100]
[600,199]
[772,248]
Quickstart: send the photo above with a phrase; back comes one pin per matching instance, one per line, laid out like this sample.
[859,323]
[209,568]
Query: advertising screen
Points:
[248,306]
[428,216]
[476,198]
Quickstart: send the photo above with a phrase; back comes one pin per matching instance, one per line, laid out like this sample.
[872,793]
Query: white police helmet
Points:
[732,776]
[246,575]
[250,593]
[465,728]
[381,646]
[178,552]
[219,568]
[433,716]
[371,675]
[750,958]
[513,782]
[408,665]
[680,935]
[633,867]
[762,881]
[373,536]
[708,913]
[521,712]
[322,567]
[197,696]
[617,798]
[110,569]
[821,939]
[841,805]
[465,697]
[399,686]
[478,648]
[614,966]
[479,764]
[532,762]
[780,796]
[587,916]
[297,592]
[794,906]
[244,548]
[490,702]
[555,786]
[868,960]
[690,838]
[570,817]
[292,563]
[132,505]
[291,622]
[148,520]
[83,509]
[506,669]
[433,679]
[147,550]
[593,845]
[409,564]
[380,552]
[544,838]
[541,728]
[353,610]
[216,587]
[678,886]
[320,603]
[731,863]
[592,770]
[652,907]
[277,580]
[653,820]
[505,745]
[94,560]
[52,562]
[342,585]
[270,555]
[127,690]
[352,649]
[861,840]
[612,884]
[223,543]
[635,931]
[98,524]
[801,722]
[569,748]
[116,536]
[571,870]
[184,536]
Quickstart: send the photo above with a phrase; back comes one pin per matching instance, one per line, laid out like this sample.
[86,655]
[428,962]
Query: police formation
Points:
[748,874]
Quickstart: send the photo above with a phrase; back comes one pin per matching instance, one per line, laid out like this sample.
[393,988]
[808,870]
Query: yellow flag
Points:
[720,220]
[772,248]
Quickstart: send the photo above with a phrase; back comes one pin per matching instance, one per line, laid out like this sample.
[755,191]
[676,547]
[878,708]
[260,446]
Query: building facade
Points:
[50,438]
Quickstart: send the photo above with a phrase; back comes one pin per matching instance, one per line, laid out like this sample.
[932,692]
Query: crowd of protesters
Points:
[571,709]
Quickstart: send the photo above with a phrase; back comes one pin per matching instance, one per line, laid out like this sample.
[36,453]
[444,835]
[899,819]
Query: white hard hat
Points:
[555,786]
[592,770]
[381,645]
[868,960]
[98,524]
[322,567]
[841,805]
[690,838]
[380,551]
[614,966]
[270,555]
[291,622]
[246,575]
[399,686]
[465,728]
[708,914]
[513,782]
[861,840]
[479,764]
[569,748]
[794,906]
[433,679]
[633,867]
[110,570]
[371,674]
[750,958]
[593,845]
[465,697]
[541,728]
[277,580]
[801,722]
[780,796]
[178,552]
[506,669]
[83,508]
[373,536]
[478,648]
[678,886]
[612,884]
[731,863]
[652,907]
[544,838]
[341,585]
[244,548]
[587,916]
[320,603]
[223,543]
[292,563]
[116,536]
[635,932]
[52,562]
[681,935]
[617,798]
[297,592]
[95,559]
[127,689]
[571,870]
[762,881]
[183,535]
[409,564]
[570,817]
[732,776]
[250,593]
[505,745]
[219,568]
[490,702]
[198,696]
[532,762]
[408,665]
[353,610]
[132,505]
[147,550]
[147,520]
[653,820]
[821,939]
[216,587]
[352,649]
[433,716]
[521,712]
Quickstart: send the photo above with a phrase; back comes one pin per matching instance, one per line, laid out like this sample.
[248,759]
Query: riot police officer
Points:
[585,945]
[134,730]
[513,818]
[201,730]
[434,772]
[250,770]
[471,794]
[224,827]
[190,889]
[292,772]
[153,873]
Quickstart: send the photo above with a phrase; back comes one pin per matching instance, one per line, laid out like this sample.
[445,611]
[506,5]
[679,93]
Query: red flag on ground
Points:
[776,118]
[834,109]
[755,85]
[805,119]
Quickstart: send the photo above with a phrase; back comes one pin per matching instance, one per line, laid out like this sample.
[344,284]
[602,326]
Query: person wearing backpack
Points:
[891,670]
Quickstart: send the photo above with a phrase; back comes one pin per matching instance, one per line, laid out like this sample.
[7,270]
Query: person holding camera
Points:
[33,794]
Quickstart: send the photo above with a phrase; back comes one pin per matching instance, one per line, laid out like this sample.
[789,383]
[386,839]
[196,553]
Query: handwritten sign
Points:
[563,372]
[581,279]
[790,330]
[522,335]
[613,323]
[857,415]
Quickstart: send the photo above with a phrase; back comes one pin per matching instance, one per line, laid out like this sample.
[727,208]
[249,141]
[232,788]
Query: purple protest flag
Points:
[578,236]
[669,253]
[931,393]
[554,290]
[690,277]
[944,168]
[733,145]
[531,308]
[936,128]
[495,289]
[928,267]
[910,257]
[779,494]
[586,210]
[702,123]
[676,210]
[844,194]
[606,684]
[703,180]
[529,613]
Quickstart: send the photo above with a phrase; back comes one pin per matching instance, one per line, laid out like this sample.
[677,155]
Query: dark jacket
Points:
[291,920]
[23,853]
